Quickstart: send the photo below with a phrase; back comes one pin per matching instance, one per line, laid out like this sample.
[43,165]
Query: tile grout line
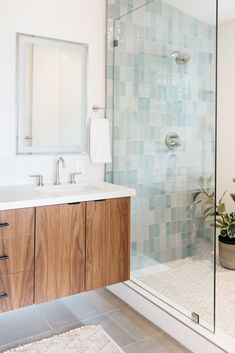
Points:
[146,338]
[124,329]
[120,326]
[23,341]
[42,317]
[141,340]
[68,327]
[100,314]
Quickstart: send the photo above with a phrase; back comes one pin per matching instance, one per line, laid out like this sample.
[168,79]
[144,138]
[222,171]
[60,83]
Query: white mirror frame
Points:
[23,39]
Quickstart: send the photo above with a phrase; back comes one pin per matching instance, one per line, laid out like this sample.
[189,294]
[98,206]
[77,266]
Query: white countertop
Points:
[23,196]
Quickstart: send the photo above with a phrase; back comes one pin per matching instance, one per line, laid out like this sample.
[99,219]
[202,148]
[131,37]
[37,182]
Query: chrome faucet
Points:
[57,167]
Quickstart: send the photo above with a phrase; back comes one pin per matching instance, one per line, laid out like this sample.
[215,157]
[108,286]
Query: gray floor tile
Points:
[119,335]
[56,314]
[91,304]
[154,344]
[26,340]
[137,326]
[63,329]
[100,307]
[170,343]
[21,324]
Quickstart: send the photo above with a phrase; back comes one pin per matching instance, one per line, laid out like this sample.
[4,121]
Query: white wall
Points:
[73,20]
[226,108]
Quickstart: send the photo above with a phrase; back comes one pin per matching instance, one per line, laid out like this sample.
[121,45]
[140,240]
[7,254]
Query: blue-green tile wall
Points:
[149,95]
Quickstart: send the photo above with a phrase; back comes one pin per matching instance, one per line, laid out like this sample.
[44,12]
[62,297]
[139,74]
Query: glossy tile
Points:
[143,105]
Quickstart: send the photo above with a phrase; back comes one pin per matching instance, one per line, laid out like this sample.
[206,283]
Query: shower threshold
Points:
[177,324]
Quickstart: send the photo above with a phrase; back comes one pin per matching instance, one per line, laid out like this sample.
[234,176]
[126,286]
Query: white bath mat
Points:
[86,339]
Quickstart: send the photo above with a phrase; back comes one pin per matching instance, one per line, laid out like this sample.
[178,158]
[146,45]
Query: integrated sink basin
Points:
[24,196]
[67,188]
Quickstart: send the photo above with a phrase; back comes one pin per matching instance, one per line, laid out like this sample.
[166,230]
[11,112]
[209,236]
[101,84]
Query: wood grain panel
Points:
[16,290]
[16,253]
[118,234]
[96,248]
[60,251]
[16,222]
[107,242]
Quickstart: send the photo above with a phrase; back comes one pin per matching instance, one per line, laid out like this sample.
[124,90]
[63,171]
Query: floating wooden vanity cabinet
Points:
[107,242]
[49,252]
[16,258]
[60,251]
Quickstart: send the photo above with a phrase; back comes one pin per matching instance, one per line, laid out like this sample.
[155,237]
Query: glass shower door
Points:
[164,146]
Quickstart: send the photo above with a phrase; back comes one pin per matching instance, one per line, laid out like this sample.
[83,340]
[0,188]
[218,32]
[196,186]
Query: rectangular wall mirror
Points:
[52,108]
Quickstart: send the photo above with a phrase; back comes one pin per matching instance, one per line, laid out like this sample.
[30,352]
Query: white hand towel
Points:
[100,149]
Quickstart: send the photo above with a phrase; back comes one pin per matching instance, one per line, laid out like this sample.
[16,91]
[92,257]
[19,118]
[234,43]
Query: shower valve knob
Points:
[173,140]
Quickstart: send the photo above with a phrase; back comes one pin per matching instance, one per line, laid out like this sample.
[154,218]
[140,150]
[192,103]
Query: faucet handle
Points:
[39,179]
[73,177]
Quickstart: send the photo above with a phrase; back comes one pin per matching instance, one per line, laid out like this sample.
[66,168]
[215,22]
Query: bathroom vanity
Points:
[59,241]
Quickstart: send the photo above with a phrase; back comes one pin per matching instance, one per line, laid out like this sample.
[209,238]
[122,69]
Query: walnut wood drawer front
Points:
[16,254]
[17,222]
[107,242]
[16,290]
[59,251]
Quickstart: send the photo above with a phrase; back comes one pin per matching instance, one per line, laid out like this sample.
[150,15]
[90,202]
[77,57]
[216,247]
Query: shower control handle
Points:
[173,141]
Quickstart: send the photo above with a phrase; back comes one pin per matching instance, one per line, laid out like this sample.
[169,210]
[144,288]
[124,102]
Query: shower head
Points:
[181,58]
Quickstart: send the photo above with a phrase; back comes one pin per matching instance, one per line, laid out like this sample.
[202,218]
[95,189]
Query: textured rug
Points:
[86,339]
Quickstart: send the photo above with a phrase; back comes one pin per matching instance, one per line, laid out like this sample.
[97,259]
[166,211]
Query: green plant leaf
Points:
[201,182]
[220,200]
[210,179]
[195,195]
[221,208]
[233,197]
[231,230]
[207,211]
[227,217]
[219,221]
[196,202]
[224,232]
[208,215]
[215,225]
[210,200]
[192,207]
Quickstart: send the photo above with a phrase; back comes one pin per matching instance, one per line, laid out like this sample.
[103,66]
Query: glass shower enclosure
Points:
[164,123]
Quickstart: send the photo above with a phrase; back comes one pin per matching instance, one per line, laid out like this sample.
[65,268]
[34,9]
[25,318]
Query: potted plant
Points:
[224,220]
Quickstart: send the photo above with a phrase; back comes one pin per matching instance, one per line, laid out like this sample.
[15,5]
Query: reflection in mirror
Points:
[51,96]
